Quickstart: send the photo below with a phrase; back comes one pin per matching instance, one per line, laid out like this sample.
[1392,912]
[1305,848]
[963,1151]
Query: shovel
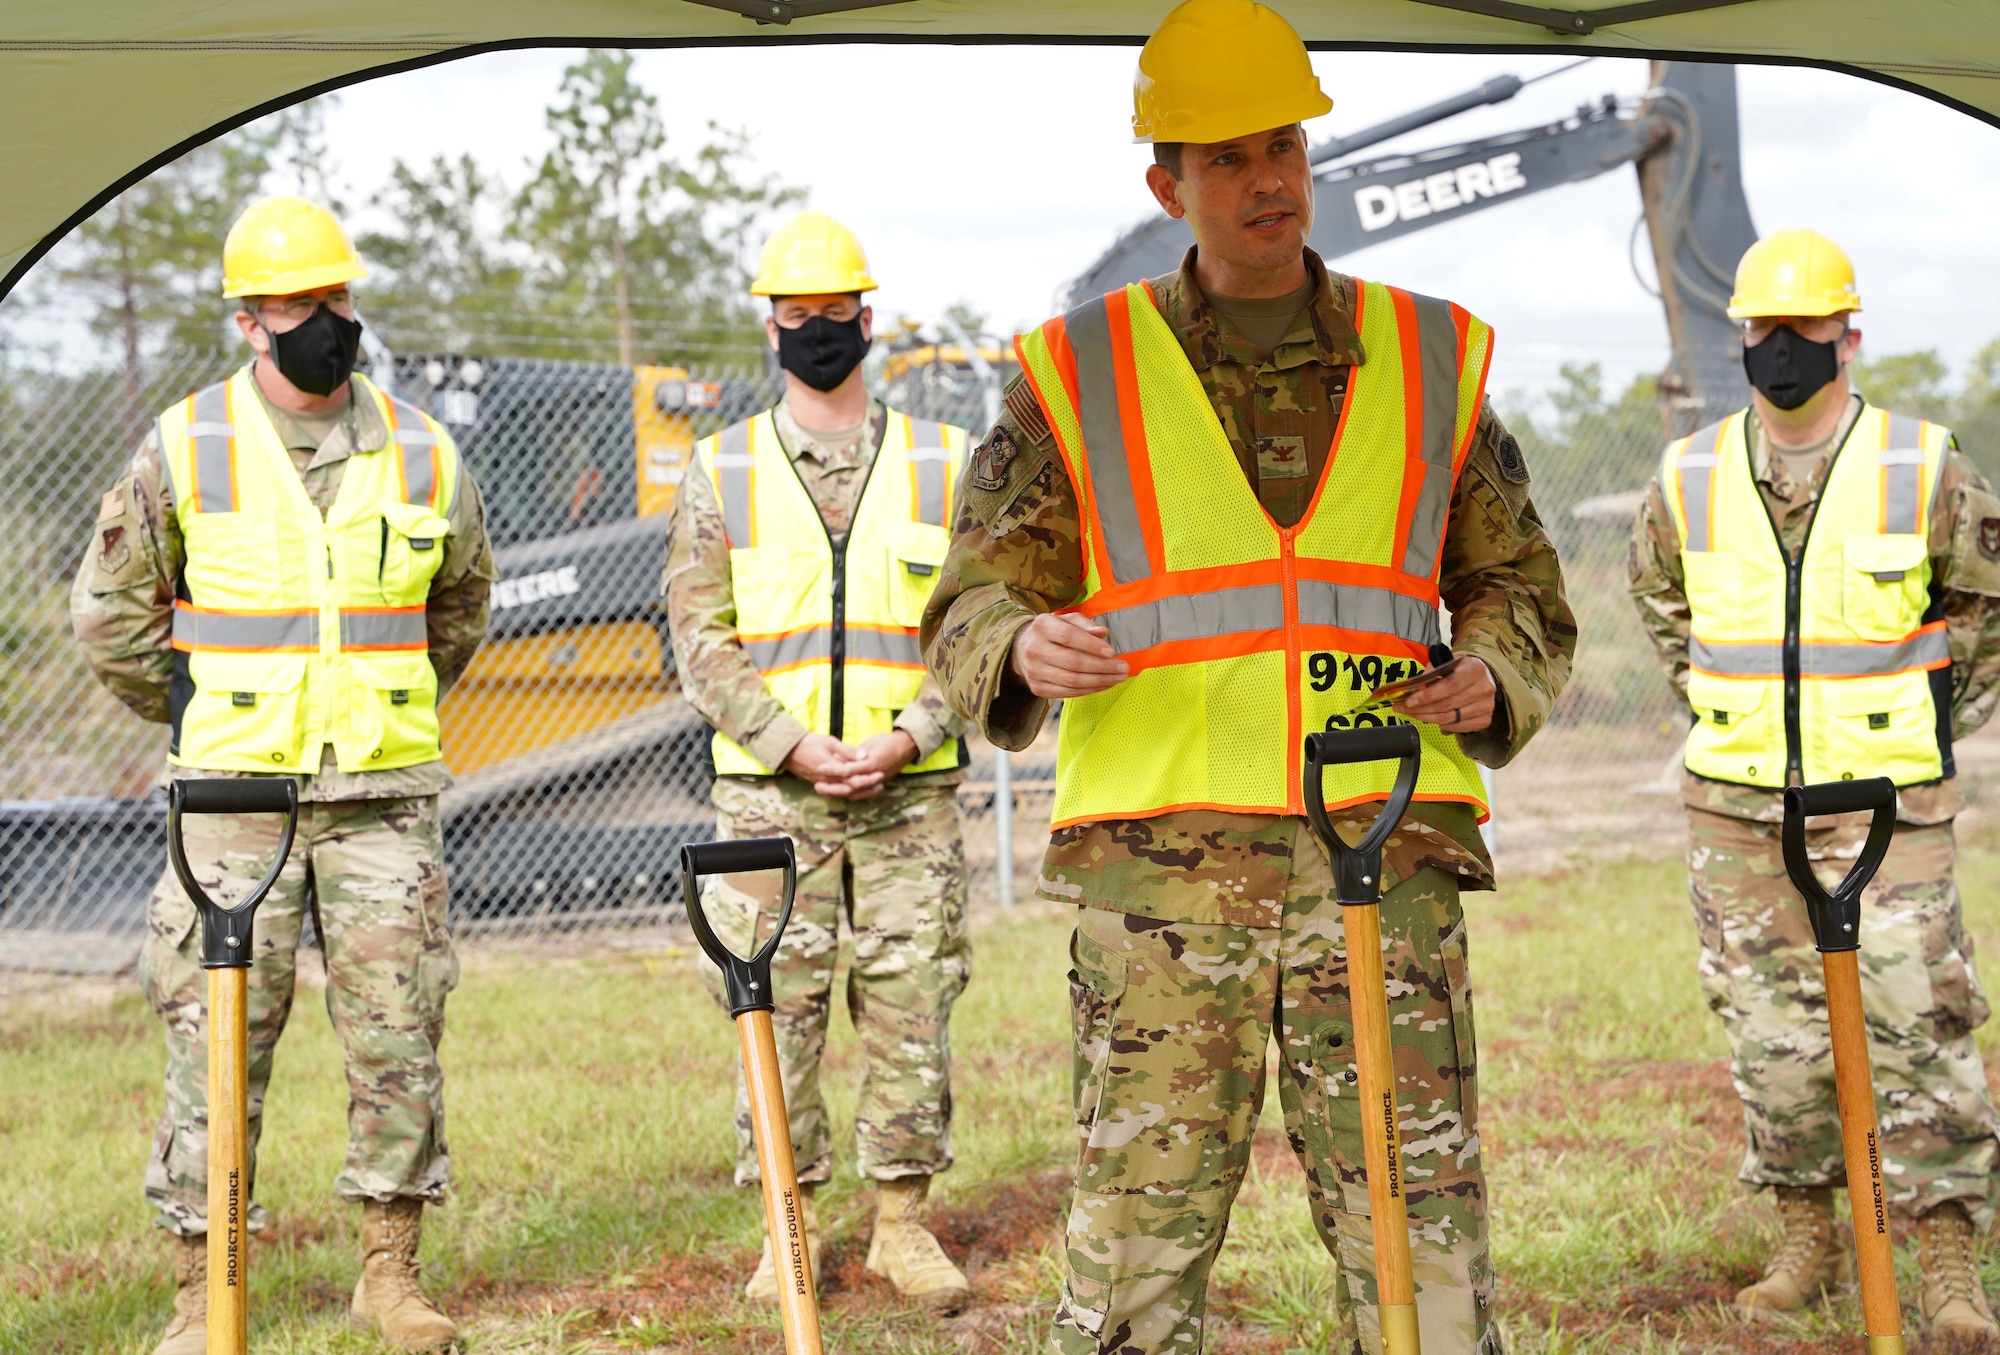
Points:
[1357,873]
[1836,924]
[747,984]
[225,954]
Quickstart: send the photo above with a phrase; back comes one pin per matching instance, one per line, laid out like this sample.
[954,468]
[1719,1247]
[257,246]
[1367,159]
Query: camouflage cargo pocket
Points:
[1096,982]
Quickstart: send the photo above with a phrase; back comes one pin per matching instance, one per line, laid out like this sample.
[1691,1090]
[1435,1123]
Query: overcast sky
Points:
[994,174]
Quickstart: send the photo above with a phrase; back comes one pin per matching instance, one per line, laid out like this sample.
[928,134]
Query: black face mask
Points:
[821,352]
[1790,369]
[319,354]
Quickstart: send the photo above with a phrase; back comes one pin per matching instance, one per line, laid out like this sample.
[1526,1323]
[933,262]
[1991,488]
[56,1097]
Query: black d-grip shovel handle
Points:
[1836,916]
[225,932]
[1357,870]
[748,982]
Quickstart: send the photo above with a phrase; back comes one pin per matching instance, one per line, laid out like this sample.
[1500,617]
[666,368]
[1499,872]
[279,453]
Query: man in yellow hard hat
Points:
[805,543]
[290,572]
[1220,509]
[1822,579]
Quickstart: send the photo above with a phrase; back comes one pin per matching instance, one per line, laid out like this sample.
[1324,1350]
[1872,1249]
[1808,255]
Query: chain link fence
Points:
[580,770]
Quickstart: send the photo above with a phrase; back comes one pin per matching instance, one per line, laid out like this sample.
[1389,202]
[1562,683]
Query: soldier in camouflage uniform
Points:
[1202,934]
[368,863]
[875,823]
[1758,966]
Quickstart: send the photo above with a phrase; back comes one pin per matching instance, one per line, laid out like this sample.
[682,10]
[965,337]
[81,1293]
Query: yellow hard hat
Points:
[1797,272]
[1216,69]
[812,255]
[280,246]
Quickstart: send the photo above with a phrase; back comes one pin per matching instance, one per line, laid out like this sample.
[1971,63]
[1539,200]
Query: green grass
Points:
[591,1149]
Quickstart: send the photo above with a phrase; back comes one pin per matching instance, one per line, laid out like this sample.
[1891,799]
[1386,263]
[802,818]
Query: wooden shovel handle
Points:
[1395,1289]
[784,1212]
[1854,1085]
[228,1161]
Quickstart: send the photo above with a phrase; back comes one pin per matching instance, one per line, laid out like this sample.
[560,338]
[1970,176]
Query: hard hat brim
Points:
[1742,309]
[1231,123]
[852,284]
[296,281]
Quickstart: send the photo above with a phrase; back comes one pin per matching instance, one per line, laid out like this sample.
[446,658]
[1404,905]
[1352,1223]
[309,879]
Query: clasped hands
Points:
[840,772]
[1060,655]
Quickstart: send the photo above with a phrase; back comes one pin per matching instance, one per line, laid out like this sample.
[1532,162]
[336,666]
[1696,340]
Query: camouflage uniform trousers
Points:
[1761,974]
[377,869]
[894,867]
[1172,1021]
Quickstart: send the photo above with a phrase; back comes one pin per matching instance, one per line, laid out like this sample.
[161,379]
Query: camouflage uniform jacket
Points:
[717,674]
[1965,565]
[1016,554]
[122,603]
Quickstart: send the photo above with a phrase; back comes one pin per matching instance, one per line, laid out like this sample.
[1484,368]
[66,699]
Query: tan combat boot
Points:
[906,1255]
[1812,1257]
[1952,1299]
[386,1299]
[187,1333]
[763,1286]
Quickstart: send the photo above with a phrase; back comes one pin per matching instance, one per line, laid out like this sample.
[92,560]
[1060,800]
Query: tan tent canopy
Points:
[94,94]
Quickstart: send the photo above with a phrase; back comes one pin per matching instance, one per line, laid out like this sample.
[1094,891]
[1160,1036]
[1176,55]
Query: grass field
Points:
[594,1210]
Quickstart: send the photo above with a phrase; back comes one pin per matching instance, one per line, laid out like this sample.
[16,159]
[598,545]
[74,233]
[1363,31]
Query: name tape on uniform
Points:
[550,583]
[1380,205]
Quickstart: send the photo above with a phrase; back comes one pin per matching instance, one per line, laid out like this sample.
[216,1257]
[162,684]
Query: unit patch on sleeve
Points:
[1989,538]
[1513,465]
[990,461]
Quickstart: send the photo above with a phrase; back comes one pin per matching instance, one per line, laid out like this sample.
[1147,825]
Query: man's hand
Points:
[1459,704]
[1060,655]
[835,770]
[885,754]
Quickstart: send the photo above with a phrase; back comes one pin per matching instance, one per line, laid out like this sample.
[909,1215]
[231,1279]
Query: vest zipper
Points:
[1294,657]
[837,642]
[837,683]
[1794,601]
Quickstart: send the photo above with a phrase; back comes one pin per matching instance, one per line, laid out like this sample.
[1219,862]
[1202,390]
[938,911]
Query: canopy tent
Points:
[95,94]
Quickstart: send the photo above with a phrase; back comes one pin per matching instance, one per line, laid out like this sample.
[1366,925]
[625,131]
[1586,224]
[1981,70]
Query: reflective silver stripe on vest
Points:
[1261,607]
[1089,329]
[798,647]
[732,473]
[1697,463]
[401,629]
[1903,464]
[412,433]
[1437,355]
[1377,610]
[806,646]
[213,437]
[884,646]
[932,460]
[1821,658]
[194,629]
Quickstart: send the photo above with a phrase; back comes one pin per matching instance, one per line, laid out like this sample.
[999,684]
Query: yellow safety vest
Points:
[1827,668]
[833,627]
[292,631]
[1242,635]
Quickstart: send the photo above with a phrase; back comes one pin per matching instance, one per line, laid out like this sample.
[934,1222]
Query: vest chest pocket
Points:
[410,547]
[230,558]
[1883,593]
[916,560]
[248,704]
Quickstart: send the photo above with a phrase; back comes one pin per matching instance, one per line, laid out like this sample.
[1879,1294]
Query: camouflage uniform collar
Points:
[1323,333]
[1775,471]
[800,441]
[361,428]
